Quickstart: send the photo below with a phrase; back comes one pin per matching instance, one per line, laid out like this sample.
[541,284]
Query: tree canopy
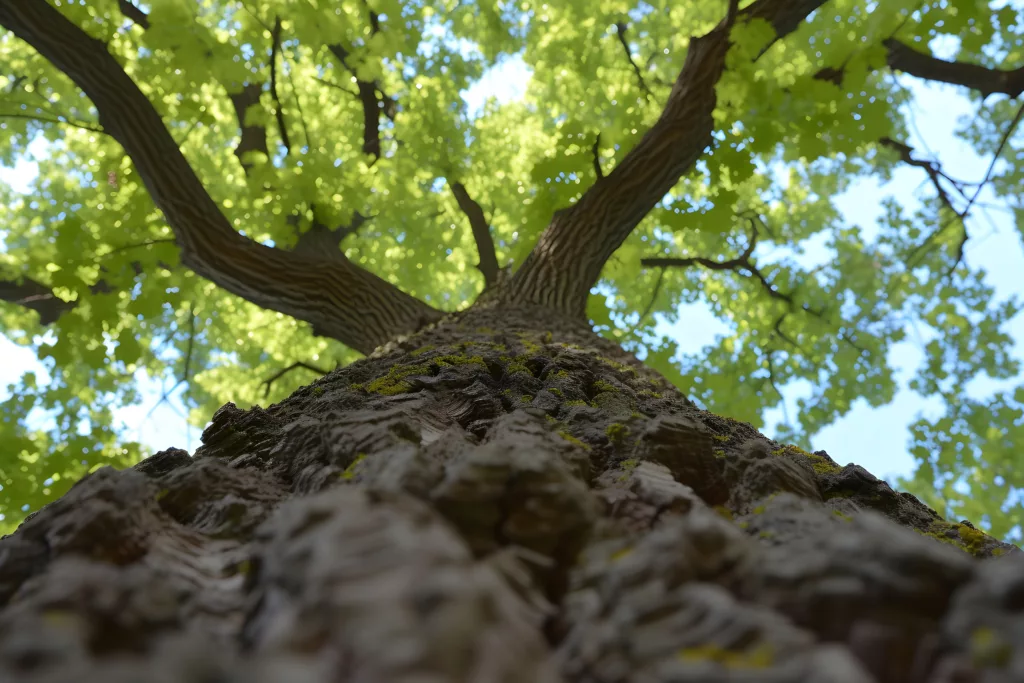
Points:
[339,127]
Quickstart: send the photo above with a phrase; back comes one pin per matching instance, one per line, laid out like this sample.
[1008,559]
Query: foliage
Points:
[786,142]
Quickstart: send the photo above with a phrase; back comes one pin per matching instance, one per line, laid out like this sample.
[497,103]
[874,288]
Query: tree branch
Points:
[323,241]
[133,13]
[987,81]
[368,97]
[481,233]
[340,299]
[742,262]
[35,296]
[267,383]
[932,168]
[568,258]
[254,137]
[275,37]
[374,100]
[620,31]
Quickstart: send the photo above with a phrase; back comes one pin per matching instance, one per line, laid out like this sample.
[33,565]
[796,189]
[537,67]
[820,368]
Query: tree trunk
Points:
[500,497]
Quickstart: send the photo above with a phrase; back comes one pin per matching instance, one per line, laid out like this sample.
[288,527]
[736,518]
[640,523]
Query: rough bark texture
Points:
[502,497]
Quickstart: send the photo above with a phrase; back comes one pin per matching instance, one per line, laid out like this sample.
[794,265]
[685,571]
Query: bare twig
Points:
[650,304]
[267,383]
[620,31]
[58,119]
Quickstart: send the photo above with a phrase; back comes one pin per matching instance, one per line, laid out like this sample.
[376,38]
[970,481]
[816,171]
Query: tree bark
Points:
[503,497]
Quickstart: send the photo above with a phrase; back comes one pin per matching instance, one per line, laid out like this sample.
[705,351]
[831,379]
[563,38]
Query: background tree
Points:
[497,492]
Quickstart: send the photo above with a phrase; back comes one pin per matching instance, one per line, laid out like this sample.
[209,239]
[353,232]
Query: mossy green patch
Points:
[974,539]
[394,382]
[318,391]
[721,437]
[557,392]
[423,349]
[989,649]
[627,467]
[724,512]
[526,398]
[574,404]
[758,657]
[647,393]
[621,367]
[452,360]
[621,553]
[529,344]
[572,439]
[616,432]
[601,385]
[350,471]
[819,463]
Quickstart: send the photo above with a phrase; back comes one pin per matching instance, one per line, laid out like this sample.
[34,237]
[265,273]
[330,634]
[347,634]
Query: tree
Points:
[499,490]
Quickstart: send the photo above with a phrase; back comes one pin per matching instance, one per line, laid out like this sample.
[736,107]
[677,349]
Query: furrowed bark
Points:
[340,299]
[485,506]
[481,233]
[905,58]
[567,259]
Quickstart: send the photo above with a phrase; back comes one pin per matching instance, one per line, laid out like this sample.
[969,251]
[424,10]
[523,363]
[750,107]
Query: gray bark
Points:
[501,497]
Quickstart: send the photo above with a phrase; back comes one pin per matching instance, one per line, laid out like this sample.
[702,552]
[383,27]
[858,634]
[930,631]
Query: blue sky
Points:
[873,438]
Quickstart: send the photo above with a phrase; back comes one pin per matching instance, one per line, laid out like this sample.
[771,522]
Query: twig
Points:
[275,36]
[73,124]
[266,384]
[620,31]
[650,304]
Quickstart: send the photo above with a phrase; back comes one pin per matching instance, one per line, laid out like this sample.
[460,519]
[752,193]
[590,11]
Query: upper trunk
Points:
[502,497]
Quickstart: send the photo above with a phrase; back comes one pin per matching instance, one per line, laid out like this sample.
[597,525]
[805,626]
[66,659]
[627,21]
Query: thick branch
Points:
[987,81]
[325,242]
[567,259]
[254,137]
[36,296]
[481,233]
[340,299]
[371,109]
